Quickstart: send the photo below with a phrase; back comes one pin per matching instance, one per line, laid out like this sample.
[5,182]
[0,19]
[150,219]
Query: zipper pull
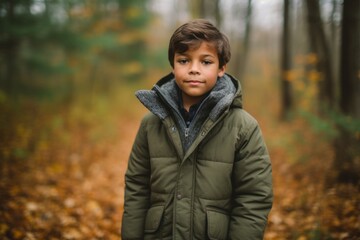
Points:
[186,132]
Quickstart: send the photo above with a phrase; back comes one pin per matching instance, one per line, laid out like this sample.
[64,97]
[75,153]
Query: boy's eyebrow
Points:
[203,55]
[208,55]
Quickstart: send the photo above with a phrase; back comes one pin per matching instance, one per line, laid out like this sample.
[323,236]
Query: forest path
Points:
[68,195]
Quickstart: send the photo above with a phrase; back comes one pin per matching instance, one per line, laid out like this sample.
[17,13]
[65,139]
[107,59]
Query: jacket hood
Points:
[226,93]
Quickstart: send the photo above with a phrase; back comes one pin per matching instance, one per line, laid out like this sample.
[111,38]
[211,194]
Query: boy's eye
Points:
[207,62]
[182,61]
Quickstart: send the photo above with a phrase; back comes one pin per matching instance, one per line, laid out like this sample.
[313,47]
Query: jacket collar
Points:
[163,97]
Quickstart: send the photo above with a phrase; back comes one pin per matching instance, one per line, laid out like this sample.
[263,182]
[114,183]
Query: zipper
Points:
[172,195]
[186,132]
[157,89]
[197,111]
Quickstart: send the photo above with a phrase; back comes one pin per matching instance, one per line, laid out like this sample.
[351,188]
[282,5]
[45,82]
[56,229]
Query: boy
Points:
[199,168]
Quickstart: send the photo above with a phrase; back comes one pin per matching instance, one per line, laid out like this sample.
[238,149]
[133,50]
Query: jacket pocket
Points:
[217,224]
[153,219]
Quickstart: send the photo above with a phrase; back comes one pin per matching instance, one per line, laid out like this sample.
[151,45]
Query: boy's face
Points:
[196,72]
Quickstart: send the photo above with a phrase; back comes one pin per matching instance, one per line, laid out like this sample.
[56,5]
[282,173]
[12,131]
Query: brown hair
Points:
[192,34]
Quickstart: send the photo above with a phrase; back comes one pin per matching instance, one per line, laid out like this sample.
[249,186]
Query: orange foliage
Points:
[304,78]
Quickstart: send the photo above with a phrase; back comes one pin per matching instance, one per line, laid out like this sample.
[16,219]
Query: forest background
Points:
[68,115]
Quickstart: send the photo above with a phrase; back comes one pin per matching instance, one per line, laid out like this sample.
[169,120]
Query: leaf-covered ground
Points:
[67,182]
[308,203]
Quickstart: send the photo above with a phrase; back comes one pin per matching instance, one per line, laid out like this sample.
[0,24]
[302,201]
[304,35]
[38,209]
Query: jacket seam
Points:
[193,196]
[208,160]
[215,199]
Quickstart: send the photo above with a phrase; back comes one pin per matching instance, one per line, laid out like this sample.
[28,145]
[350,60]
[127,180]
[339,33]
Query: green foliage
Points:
[347,123]
[59,48]
[331,122]
[39,62]
[323,126]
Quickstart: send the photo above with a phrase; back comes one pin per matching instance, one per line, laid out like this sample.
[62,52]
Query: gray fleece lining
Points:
[152,101]
[162,100]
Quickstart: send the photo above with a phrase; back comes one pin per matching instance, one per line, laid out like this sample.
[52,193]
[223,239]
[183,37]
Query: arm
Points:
[252,186]
[137,190]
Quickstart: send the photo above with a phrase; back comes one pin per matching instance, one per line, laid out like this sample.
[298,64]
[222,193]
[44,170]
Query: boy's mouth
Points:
[194,82]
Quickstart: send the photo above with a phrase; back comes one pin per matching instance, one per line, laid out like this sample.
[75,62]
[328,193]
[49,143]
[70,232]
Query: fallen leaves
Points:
[75,191]
[306,206]
[62,191]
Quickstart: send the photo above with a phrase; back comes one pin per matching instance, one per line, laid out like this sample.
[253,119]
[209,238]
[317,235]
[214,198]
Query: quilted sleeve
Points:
[137,191]
[252,184]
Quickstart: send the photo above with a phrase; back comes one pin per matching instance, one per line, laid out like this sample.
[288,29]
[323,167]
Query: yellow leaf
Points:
[132,68]
[94,208]
[129,37]
[17,234]
[357,135]
[290,75]
[3,95]
[72,233]
[299,85]
[132,12]
[314,76]
[312,58]
[31,207]
[3,229]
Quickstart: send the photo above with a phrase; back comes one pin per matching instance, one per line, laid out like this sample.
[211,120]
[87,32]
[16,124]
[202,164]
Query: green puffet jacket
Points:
[219,187]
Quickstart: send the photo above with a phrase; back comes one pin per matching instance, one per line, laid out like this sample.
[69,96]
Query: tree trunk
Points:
[350,59]
[217,13]
[320,46]
[209,9]
[347,145]
[286,98]
[197,8]
[243,46]
[9,50]
[335,48]
[246,41]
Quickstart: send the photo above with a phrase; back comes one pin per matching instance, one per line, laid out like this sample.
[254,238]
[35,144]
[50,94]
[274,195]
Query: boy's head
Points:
[192,34]
[198,54]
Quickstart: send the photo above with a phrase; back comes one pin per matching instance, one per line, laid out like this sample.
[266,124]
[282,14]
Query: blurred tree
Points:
[59,47]
[243,45]
[209,9]
[30,37]
[347,145]
[197,8]
[8,45]
[286,98]
[319,45]
[135,17]
[217,12]
[334,44]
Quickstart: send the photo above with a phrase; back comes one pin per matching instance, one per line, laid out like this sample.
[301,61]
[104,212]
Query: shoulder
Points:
[243,123]
[241,119]
[149,119]
[249,130]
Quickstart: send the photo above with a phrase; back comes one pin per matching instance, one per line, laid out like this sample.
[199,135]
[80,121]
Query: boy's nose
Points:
[194,68]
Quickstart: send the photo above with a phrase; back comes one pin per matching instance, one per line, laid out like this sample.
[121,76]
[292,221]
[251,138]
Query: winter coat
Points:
[211,180]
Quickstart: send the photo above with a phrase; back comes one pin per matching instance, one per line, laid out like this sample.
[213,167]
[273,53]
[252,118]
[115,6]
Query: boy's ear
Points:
[222,71]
